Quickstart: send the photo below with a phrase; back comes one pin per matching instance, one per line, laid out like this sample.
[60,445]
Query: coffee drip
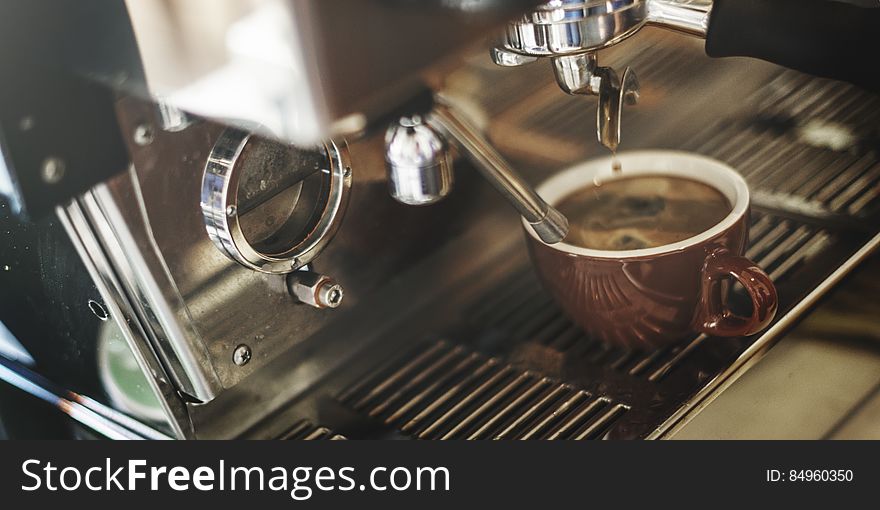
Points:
[616,167]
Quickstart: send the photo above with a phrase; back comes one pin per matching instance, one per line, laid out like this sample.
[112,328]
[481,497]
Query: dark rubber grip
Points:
[820,37]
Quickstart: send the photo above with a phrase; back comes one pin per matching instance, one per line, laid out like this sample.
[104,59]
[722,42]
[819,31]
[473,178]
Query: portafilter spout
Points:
[570,32]
[580,74]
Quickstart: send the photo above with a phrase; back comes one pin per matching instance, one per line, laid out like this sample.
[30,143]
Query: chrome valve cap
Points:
[418,162]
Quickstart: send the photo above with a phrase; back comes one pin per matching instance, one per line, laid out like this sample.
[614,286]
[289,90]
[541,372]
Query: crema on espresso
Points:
[630,213]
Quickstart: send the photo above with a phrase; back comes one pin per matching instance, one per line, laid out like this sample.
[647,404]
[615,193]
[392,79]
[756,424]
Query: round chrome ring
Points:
[219,204]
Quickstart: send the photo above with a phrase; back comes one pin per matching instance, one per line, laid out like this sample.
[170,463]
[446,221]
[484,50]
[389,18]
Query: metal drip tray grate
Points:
[306,431]
[522,370]
[812,140]
[448,391]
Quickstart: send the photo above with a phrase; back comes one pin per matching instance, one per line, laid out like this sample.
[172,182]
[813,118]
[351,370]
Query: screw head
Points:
[334,297]
[330,295]
[143,135]
[241,355]
[52,170]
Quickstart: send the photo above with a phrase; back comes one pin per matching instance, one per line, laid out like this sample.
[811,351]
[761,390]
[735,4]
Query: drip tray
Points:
[448,391]
[517,368]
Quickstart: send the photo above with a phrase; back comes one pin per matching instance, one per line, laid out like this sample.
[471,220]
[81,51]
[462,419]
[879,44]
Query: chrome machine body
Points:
[255,267]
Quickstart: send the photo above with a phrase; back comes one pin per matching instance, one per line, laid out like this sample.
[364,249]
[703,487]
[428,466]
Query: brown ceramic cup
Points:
[655,296]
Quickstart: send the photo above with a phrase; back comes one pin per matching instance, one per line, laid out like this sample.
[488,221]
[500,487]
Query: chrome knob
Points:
[418,162]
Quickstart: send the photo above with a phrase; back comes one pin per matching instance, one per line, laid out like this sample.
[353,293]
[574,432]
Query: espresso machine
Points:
[292,218]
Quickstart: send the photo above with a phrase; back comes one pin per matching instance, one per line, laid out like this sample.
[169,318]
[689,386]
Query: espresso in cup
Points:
[631,213]
[649,249]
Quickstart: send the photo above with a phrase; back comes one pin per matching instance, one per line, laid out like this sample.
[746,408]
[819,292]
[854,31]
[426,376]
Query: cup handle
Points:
[715,318]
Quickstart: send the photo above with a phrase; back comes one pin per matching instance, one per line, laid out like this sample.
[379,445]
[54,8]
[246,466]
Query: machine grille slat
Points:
[306,431]
[482,398]
[774,149]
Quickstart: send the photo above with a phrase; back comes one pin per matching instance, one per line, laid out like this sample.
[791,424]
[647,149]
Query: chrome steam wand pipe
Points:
[550,225]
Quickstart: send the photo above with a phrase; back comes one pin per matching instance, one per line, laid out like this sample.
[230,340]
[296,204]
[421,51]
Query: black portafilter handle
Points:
[820,37]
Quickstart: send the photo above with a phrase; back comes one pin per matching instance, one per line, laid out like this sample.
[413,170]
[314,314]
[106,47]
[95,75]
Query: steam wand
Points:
[420,168]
